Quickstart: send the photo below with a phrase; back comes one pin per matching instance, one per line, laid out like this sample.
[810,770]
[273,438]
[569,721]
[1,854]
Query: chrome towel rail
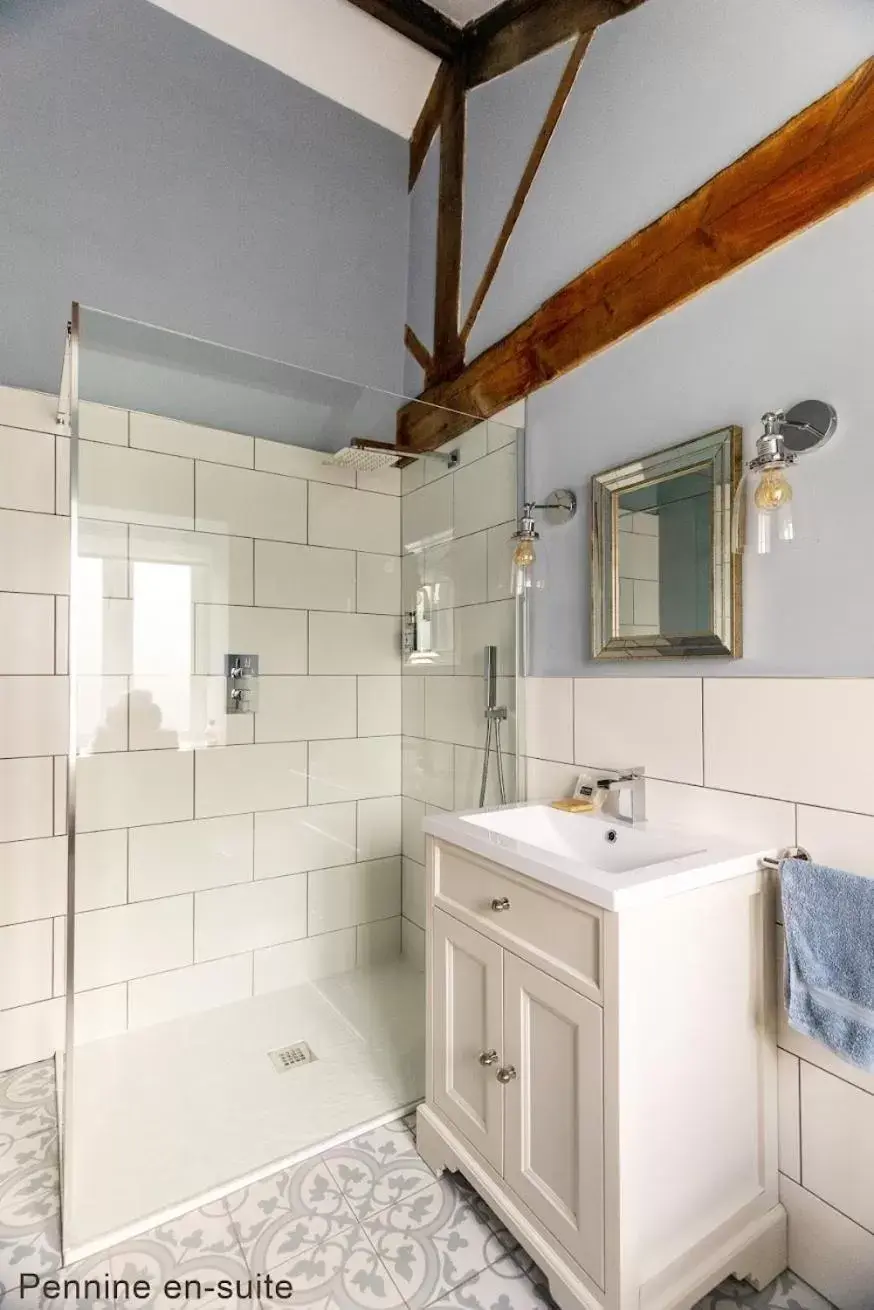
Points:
[790,853]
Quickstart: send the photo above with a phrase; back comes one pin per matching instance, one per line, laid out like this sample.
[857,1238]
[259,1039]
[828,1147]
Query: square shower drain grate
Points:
[291,1057]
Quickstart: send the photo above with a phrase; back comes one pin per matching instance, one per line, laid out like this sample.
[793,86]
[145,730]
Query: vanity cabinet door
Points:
[554,1125]
[467,975]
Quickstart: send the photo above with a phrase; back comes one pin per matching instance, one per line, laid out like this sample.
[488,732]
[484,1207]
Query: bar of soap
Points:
[575,805]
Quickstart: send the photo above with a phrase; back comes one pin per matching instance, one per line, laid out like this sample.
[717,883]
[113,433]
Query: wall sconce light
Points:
[763,516]
[528,572]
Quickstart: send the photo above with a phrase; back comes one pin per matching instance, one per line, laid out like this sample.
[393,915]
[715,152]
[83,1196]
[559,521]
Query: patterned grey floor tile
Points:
[786,1293]
[288,1212]
[29,1208]
[503,1286]
[344,1273]
[27,1101]
[432,1242]
[378,1169]
[409,1122]
[200,1249]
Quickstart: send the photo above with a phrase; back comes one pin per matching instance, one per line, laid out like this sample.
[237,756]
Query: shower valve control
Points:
[241,672]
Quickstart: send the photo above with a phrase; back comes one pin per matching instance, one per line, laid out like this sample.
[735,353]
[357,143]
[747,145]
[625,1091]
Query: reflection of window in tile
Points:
[162,653]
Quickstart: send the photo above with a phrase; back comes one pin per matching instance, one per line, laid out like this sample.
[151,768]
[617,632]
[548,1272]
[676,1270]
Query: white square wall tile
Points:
[356,769]
[354,643]
[30,1033]
[181,713]
[26,799]
[129,941]
[239,779]
[837,1144]
[485,492]
[477,626]
[809,721]
[468,771]
[653,722]
[34,716]
[28,627]
[135,486]
[547,781]
[171,437]
[379,943]
[229,920]
[789,1118]
[357,893]
[28,463]
[379,706]
[100,1013]
[25,963]
[757,819]
[166,996]
[413,943]
[379,584]
[277,636]
[219,568]
[454,709]
[103,556]
[471,445]
[427,515]
[386,481]
[304,577]
[457,571]
[828,1250]
[37,410]
[277,967]
[33,879]
[312,837]
[429,772]
[103,423]
[549,718]
[299,462]
[125,790]
[413,705]
[845,841]
[414,892]
[305,709]
[413,836]
[101,869]
[354,520]
[34,552]
[170,858]
[248,504]
[379,828]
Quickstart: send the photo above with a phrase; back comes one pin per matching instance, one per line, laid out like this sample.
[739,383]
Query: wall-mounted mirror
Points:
[664,580]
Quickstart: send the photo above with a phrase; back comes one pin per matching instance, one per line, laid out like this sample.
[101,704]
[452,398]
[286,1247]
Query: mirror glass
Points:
[664,580]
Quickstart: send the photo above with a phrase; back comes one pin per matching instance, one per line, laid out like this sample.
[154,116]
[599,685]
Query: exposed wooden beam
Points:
[814,165]
[544,137]
[428,123]
[448,350]
[517,30]
[420,353]
[418,22]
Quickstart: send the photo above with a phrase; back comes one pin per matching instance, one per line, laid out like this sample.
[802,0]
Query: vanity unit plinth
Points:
[606,1078]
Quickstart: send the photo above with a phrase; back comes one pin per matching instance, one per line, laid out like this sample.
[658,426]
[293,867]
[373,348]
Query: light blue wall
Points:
[155,172]
[797,323]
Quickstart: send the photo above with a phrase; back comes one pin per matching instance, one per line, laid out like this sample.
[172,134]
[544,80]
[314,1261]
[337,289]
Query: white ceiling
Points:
[464,11]
[331,46]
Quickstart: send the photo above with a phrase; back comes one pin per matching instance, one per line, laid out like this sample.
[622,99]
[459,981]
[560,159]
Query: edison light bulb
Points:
[524,556]
[773,491]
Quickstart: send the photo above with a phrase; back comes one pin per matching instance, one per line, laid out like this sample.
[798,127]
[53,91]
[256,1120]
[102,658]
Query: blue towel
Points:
[828,916]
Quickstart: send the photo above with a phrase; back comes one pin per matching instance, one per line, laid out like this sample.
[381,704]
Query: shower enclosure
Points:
[275,665]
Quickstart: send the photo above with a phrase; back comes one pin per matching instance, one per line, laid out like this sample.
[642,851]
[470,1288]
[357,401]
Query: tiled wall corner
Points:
[456,527]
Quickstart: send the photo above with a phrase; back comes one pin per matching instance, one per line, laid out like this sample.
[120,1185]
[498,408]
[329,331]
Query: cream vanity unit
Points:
[601,1056]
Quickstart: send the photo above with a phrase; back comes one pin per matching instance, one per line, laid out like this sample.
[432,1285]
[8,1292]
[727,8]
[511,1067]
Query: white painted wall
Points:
[331,46]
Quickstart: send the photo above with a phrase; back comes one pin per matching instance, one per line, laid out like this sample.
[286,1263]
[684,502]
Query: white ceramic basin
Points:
[595,857]
[600,843]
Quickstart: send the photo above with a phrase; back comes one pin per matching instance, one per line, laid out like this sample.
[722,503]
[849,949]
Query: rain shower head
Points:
[371,456]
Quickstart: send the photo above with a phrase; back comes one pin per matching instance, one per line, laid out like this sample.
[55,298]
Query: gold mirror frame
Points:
[720,453]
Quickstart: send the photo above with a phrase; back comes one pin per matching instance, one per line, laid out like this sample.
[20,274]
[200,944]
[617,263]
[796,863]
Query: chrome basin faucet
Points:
[612,783]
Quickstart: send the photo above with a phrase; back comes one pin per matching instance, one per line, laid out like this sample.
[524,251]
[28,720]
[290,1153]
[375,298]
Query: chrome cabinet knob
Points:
[500,903]
[488,1057]
[507,1074]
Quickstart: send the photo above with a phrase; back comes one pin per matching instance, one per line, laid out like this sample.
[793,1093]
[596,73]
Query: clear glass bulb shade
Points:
[527,571]
[763,516]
